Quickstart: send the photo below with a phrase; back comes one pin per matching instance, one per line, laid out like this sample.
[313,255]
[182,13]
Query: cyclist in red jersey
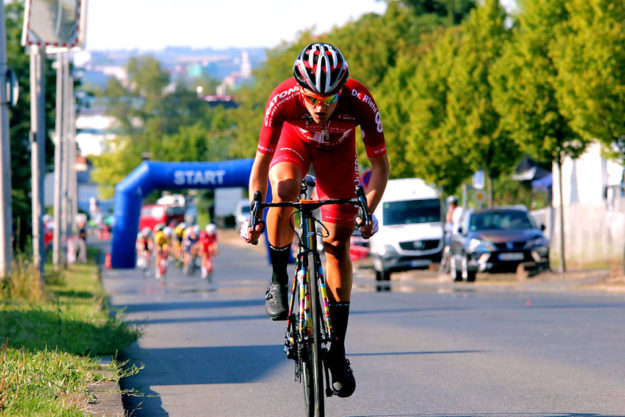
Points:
[311,119]
[208,243]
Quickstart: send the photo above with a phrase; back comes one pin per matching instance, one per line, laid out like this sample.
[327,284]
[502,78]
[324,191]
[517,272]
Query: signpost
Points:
[51,27]
[6,215]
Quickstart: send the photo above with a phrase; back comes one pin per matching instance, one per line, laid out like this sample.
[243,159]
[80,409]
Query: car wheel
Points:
[467,275]
[383,275]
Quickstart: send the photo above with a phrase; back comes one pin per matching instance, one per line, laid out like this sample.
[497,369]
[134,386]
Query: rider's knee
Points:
[286,189]
[337,248]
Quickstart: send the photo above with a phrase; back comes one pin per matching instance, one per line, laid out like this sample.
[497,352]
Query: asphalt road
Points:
[419,347]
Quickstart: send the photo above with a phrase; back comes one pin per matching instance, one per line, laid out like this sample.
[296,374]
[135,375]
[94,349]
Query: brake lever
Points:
[364,208]
[255,209]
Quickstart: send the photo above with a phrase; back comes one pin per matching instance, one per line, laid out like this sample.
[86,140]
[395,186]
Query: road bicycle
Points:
[143,262]
[309,331]
[160,265]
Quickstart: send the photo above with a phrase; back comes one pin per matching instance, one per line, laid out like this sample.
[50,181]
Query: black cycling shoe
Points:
[276,302]
[343,382]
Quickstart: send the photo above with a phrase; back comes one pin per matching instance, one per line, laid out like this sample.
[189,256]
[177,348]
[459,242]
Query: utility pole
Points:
[66,227]
[38,138]
[58,164]
[6,216]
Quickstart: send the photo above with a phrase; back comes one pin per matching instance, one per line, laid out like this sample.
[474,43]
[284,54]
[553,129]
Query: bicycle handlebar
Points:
[360,200]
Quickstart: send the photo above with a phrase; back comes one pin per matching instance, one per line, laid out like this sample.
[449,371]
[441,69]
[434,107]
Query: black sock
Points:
[339,315]
[279,261]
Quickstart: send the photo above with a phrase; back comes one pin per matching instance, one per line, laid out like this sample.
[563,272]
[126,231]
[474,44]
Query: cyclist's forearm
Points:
[259,174]
[377,182]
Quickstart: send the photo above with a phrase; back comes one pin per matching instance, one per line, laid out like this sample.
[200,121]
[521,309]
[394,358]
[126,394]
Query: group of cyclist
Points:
[181,243]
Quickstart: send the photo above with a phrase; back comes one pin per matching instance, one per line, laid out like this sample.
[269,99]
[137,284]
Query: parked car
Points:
[153,214]
[497,239]
[359,246]
[241,212]
[411,231]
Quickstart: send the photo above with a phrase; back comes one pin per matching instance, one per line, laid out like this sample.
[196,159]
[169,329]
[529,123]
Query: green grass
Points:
[53,338]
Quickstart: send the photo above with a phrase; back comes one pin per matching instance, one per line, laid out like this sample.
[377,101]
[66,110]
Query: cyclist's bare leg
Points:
[338,263]
[339,278]
[286,180]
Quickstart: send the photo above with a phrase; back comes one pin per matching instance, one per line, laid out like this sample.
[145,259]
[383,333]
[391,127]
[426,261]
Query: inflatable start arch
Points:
[148,176]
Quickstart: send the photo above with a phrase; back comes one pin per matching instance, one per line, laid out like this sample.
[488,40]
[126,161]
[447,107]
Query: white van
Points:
[241,213]
[411,228]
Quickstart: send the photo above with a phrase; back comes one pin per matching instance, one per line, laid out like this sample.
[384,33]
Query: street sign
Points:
[478,180]
[56,25]
[479,196]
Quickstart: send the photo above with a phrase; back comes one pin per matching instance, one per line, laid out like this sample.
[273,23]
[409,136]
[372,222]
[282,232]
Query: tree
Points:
[524,90]
[454,11]
[472,121]
[589,56]
[431,150]
[248,116]
[112,167]
[167,122]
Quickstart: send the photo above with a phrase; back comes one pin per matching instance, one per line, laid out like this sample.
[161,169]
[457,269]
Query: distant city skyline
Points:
[156,24]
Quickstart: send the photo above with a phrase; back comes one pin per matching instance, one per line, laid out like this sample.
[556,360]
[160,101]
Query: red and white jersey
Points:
[206,239]
[286,110]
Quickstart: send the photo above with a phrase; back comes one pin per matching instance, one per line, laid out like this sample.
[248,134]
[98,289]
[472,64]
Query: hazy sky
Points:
[154,24]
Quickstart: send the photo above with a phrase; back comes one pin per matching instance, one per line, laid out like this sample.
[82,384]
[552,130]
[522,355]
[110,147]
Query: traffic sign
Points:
[479,196]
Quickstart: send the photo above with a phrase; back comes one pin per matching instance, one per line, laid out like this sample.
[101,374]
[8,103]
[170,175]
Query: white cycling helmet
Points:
[168,231]
[320,67]
[211,229]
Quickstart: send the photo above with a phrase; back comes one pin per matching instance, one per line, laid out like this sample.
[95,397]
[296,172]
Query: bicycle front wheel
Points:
[308,382]
[317,364]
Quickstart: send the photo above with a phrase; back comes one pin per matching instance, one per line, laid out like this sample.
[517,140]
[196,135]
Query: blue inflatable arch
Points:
[151,175]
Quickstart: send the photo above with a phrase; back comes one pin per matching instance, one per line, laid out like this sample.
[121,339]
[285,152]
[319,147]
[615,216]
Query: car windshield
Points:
[501,220]
[175,210]
[412,211]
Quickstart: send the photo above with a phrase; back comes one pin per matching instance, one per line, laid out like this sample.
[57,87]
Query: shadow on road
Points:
[492,415]
[205,365]
[190,305]
[196,319]
[433,352]
[195,366]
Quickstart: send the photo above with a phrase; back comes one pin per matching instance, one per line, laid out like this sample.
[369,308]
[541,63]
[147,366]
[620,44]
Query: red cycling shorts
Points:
[336,170]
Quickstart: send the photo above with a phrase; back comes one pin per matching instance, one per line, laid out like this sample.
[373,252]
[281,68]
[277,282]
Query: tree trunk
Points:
[489,187]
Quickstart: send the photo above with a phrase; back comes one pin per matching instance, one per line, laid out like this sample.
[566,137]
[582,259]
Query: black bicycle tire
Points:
[317,364]
[308,382]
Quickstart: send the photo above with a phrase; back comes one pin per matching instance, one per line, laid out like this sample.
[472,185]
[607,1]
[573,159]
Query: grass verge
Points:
[52,339]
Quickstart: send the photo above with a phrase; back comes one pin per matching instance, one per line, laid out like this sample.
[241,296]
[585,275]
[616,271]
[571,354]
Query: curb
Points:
[106,394]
